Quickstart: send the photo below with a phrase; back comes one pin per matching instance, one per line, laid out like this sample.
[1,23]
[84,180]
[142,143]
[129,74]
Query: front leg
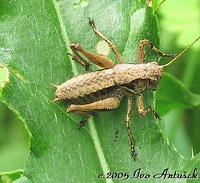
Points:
[141,51]
[141,110]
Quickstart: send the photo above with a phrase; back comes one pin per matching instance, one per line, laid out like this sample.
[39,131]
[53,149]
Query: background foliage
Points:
[40,58]
[178,27]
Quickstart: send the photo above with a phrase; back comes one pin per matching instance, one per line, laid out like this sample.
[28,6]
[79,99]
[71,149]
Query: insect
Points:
[103,90]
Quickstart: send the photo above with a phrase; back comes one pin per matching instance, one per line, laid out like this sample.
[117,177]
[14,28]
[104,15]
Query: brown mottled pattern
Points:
[99,85]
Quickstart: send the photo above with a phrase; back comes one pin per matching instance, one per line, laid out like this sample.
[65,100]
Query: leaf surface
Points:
[34,44]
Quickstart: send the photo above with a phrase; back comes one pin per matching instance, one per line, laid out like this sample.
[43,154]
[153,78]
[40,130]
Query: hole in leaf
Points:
[4,74]
[14,146]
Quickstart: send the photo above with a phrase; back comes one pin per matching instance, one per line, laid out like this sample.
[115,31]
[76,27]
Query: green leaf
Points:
[34,44]
[173,94]
[10,176]
[177,24]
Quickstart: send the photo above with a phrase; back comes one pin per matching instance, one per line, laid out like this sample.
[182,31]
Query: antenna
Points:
[181,53]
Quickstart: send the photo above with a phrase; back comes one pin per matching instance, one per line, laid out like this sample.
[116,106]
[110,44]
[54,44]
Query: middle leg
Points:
[128,118]
[112,46]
